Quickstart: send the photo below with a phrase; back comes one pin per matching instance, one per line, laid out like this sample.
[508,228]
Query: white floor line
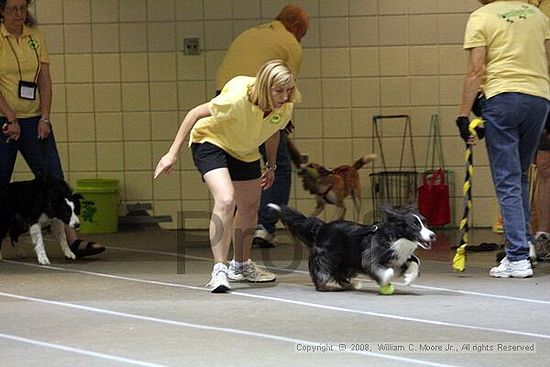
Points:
[78,351]
[299,303]
[481,294]
[212,328]
[440,289]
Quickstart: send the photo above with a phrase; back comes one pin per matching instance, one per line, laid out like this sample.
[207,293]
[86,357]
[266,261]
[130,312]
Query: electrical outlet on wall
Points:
[191,46]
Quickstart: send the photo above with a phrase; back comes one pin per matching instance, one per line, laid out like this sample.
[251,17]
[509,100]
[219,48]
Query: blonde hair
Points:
[274,73]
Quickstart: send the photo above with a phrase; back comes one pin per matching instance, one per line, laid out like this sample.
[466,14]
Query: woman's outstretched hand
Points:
[166,164]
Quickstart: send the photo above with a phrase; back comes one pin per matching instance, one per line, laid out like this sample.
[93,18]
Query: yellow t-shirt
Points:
[513,33]
[236,125]
[256,46]
[30,51]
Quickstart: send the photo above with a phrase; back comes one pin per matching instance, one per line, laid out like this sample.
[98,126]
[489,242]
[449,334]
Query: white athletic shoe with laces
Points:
[249,272]
[218,283]
[512,269]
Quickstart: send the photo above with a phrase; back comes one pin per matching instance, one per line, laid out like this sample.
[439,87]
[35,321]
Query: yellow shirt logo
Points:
[275,119]
[33,44]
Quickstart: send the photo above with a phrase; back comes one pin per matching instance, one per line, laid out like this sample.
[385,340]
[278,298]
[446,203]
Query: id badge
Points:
[27,90]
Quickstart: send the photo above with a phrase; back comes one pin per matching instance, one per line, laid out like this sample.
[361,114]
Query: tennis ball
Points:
[387,289]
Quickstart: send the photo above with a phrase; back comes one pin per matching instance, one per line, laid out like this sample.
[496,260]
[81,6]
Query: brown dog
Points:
[331,186]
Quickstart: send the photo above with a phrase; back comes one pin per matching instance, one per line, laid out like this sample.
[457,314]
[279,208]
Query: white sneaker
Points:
[249,272]
[218,283]
[512,269]
[256,275]
[235,273]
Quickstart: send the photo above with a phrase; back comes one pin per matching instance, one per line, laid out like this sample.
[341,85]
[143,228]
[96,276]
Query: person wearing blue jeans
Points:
[513,125]
[278,194]
[41,155]
[25,103]
[509,54]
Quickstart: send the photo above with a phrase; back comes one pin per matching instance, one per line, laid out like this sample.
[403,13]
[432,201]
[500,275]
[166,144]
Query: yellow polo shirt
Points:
[236,125]
[514,33]
[30,50]
[256,46]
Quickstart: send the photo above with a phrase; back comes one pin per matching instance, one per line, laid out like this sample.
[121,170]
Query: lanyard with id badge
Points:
[27,89]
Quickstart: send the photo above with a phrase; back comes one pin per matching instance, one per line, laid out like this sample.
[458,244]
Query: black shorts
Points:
[208,157]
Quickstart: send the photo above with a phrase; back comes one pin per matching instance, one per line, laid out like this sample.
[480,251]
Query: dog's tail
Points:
[358,164]
[303,228]
[295,155]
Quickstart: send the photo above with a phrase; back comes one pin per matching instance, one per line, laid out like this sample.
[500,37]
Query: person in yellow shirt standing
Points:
[25,101]
[277,40]
[224,135]
[509,54]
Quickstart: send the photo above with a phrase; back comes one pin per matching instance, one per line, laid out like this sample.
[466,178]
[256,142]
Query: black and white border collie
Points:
[31,205]
[342,249]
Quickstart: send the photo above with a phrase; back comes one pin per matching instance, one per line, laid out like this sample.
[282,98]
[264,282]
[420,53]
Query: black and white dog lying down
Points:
[31,205]
[342,249]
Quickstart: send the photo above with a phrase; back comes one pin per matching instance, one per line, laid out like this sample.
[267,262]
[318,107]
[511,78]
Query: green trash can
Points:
[99,208]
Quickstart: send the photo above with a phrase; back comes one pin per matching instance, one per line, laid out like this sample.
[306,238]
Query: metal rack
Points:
[397,187]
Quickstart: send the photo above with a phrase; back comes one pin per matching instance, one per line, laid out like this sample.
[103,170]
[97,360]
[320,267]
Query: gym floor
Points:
[143,303]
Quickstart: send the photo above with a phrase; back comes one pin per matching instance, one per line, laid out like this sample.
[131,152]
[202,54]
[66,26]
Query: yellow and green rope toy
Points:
[459,260]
